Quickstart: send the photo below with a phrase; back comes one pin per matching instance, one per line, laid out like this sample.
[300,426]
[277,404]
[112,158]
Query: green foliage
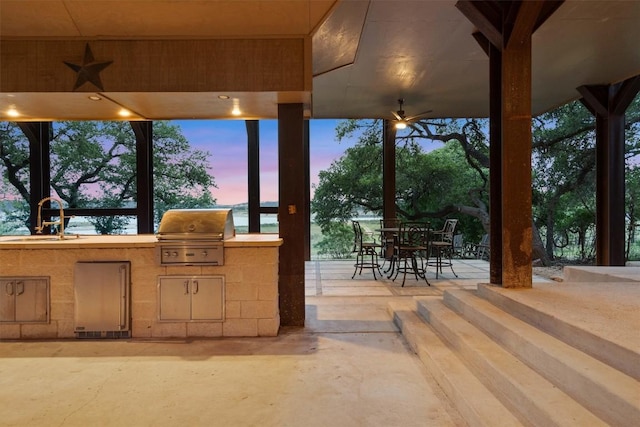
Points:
[14,157]
[93,165]
[564,181]
[429,182]
[182,176]
[336,242]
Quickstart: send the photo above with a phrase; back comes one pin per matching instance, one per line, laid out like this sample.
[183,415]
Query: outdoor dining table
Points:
[390,255]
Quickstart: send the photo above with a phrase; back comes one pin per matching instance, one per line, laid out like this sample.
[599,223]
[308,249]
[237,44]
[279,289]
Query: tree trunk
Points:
[538,250]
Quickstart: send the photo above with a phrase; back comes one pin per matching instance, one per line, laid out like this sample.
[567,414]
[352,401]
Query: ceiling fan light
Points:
[401,124]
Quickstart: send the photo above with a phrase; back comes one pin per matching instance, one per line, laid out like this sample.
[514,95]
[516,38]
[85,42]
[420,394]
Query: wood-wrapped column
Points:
[292,211]
[608,103]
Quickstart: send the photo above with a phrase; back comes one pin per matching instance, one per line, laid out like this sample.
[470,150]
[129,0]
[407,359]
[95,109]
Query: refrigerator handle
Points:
[195,287]
[123,296]
[186,287]
[8,288]
[19,288]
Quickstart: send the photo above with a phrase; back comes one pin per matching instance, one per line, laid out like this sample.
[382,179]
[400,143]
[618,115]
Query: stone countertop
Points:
[73,241]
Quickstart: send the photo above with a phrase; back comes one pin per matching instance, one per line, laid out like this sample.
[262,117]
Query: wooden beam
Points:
[608,103]
[625,93]
[207,65]
[307,191]
[388,169]
[143,131]
[253,175]
[291,213]
[548,8]
[525,22]
[39,136]
[495,165]
[486,16]
[516,166]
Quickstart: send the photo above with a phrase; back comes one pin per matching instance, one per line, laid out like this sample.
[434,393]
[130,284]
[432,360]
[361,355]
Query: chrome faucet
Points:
[41,224]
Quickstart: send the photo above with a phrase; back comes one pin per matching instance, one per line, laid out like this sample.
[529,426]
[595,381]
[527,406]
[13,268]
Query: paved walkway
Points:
[348,367]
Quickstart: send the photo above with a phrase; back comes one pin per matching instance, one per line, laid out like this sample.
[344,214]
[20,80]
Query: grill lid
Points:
[196,224]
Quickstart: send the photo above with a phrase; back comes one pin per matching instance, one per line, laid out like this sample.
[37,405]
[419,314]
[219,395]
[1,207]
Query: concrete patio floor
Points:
[349,366]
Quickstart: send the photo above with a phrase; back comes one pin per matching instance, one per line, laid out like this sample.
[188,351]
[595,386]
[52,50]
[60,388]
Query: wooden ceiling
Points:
[365,54]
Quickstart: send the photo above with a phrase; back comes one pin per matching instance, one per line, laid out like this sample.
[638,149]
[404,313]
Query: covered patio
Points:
[333,278]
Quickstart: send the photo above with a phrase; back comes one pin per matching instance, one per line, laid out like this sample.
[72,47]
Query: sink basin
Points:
[37,238]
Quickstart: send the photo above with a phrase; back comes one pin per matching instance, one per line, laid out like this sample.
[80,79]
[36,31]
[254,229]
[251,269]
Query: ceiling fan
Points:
[402,120]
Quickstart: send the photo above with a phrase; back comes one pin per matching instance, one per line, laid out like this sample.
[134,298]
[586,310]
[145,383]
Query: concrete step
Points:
[516,385]
[568,320]
[610,394]
[471,398]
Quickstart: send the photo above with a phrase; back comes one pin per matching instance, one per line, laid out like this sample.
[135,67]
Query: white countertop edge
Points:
[125,240]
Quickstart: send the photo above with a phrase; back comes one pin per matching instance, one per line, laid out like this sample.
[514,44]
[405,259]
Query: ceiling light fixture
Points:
[124,113]
[236,107]
[12,112]
[401,124]
[95,98]
[223,96]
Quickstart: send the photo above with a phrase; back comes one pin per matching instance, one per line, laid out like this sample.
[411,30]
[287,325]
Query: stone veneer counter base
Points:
[250,272]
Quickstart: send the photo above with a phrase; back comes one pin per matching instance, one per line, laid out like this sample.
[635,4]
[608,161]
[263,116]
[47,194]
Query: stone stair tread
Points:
[516,384]
[599,319]
[609,393]
[474,401]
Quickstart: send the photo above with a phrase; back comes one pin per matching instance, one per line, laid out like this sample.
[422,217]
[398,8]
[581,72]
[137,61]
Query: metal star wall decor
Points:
[89,70]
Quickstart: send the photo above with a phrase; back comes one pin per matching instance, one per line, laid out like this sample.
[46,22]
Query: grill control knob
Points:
[204,254]
[174,253]
[167,253]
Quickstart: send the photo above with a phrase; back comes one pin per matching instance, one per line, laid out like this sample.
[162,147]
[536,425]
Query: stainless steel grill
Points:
[194,236]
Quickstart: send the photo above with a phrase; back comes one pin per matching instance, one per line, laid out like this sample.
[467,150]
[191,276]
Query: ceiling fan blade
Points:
[418,116]
[396,115]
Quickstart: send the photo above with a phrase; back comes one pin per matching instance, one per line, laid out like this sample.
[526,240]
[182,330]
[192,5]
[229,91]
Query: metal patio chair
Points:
[441,246]
[366,252]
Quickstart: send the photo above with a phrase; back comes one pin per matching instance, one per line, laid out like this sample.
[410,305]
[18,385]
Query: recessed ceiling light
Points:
[95,98]
[223,96]
[124,113]
[12,112]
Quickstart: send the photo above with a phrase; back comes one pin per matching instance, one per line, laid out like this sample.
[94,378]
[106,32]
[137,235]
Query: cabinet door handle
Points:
[123,297]
[8,288]
[195,287]
[19,288]
[186,287]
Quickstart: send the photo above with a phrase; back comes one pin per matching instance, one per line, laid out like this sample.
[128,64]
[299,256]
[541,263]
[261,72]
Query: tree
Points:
[337,242]
[430,184]
[563,164]
[93,165]
[564,161]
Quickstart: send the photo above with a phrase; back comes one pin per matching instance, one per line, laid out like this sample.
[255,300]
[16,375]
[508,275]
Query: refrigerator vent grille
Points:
[103,334]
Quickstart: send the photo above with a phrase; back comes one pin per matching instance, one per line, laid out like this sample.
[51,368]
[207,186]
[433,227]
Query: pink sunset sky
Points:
[226,141]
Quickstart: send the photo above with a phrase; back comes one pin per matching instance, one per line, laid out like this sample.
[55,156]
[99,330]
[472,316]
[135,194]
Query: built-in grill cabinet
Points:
[194,236]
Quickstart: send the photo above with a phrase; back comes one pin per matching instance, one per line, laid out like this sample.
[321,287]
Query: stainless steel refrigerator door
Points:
[101,291]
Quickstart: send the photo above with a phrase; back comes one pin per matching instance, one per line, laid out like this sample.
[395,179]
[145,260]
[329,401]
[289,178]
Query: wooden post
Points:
[291,213]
